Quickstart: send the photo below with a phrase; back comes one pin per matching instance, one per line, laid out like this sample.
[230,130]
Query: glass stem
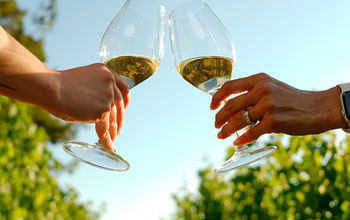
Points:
[237,135]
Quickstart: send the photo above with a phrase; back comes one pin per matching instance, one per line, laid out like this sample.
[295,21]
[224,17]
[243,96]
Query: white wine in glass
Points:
[134,69]
[205,57]
[131,47]
[214,71]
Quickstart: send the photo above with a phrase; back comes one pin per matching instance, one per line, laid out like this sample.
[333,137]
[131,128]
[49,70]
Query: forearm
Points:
[22,75]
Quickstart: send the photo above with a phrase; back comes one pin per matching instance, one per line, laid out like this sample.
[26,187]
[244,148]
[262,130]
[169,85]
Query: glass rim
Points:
[184,4]
[162,12]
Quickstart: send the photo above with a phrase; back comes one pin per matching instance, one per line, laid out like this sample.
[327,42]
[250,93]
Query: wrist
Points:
[50,94]
[345,104]
[58,104]
[333,116]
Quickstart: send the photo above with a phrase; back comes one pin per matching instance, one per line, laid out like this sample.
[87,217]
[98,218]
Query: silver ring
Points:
[245,116]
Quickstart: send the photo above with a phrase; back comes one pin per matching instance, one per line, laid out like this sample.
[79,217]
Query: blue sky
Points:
[168,127]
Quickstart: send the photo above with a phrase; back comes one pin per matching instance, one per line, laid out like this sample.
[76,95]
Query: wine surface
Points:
[134,69]
[206,73]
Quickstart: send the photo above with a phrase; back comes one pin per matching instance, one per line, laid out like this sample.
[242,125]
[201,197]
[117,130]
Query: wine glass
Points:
[205,57]
[132,46]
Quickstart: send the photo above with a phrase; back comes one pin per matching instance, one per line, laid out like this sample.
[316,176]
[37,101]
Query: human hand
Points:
[107,130]
[276,107]
[93,94]
[85,94]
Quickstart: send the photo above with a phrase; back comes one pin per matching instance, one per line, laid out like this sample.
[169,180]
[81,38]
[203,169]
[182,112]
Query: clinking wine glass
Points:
[132,46]
[205,57]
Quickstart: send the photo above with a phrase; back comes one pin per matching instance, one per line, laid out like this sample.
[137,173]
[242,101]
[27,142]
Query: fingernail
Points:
[238,142]
[220,135]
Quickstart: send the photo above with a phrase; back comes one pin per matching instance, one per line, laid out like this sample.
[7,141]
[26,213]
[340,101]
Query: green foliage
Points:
[28,187]
[12,19]
[27,190]
[56,130]
[306,178]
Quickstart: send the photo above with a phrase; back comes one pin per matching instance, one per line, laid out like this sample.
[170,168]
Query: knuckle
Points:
[229,106]
[226,85]
[106,108]
[117,95]
[226,131]
[268,105]
[124,86]
[99,117]
[109,94]
[100,111]
[99,65]
[262,76]
[119,102]
[229,102]
[122,83]
[215,98]
[109,77]
[107,103]
[264,88]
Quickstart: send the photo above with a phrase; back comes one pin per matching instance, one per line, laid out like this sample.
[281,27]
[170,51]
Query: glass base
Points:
[96,155]
[244,156]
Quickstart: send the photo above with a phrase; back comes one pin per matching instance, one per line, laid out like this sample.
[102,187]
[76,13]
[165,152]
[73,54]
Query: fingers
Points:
[251,135]
[275,105]
[120,88]
[234,125]
[112,123]
[238,122]
[110,126]
[230,118]
[119,108]
[102,130]
[120,115]
[231,87]
[233,106]
[124,89]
